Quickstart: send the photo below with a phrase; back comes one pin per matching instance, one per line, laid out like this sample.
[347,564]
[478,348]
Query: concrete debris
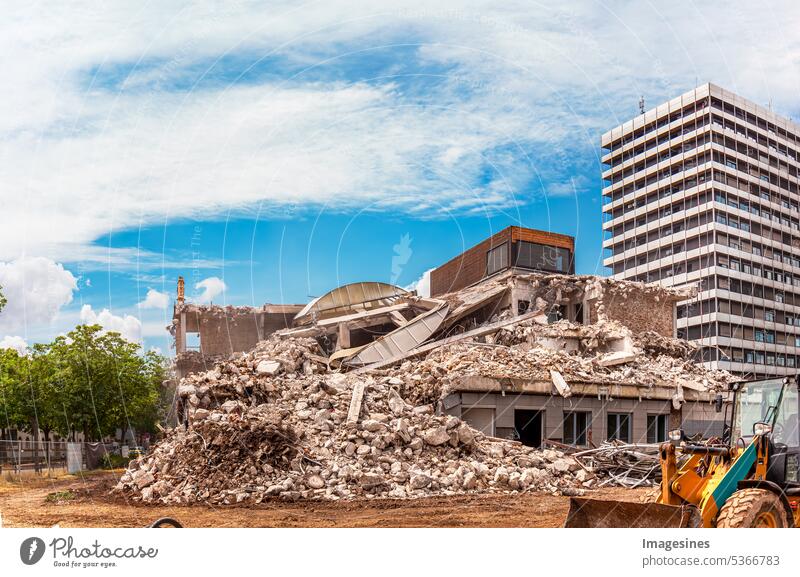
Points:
[560,384]
[288,436]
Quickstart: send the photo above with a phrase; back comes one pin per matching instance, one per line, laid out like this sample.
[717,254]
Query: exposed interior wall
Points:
[639,310]
[223,331]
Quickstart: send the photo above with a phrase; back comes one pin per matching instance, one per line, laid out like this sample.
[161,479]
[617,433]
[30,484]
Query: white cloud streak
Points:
[506,96]
[209,288]
[128,326]
[14,342]
[36,289]
[155,300]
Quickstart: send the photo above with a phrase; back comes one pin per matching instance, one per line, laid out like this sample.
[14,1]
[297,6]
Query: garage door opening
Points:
[528,424]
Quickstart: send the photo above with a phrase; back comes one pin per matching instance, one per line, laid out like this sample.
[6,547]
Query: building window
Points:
[619,427]
[769,316]
[576,427]
[497,259]
[536,256]
[656,428]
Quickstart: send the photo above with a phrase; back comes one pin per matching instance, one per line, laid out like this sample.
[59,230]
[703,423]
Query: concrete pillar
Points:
[675,418]
[343,342]
[180,335]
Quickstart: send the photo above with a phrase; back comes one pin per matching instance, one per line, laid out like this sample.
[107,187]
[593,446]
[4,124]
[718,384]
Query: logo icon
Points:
[31,551]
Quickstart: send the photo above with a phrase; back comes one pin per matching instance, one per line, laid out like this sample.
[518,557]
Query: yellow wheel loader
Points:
[750,477]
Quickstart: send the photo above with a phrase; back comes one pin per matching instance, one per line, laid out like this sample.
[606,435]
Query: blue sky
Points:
[282,149]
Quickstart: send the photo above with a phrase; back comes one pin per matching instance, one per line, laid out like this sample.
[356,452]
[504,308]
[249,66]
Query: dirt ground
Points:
[72,501]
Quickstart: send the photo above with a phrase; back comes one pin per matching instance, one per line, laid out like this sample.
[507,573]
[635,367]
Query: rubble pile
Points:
[529,350]
[300,434]
[279,422]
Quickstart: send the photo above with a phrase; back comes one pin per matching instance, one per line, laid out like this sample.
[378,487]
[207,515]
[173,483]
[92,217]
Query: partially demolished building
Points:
[540,358]
[376,392]
[205,334]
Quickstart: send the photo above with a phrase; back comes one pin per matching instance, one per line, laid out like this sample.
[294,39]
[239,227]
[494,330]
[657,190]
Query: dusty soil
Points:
[72,501]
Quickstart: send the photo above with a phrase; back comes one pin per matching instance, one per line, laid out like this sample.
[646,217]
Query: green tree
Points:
[11,375]
[107,383]
[87,381]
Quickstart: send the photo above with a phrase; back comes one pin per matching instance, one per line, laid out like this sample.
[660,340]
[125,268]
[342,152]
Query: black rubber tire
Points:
[165,522]
[748,507]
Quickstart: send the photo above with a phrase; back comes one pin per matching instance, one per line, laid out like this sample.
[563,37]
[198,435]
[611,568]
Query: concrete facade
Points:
[703,189]
[497,414]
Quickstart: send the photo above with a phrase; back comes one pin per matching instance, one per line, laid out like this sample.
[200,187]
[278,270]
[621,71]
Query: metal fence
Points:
[21,456]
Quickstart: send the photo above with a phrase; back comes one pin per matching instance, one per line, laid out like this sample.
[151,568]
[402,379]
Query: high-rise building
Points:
[704,189]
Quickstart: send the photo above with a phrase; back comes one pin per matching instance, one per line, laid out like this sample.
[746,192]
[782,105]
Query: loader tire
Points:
[752,508]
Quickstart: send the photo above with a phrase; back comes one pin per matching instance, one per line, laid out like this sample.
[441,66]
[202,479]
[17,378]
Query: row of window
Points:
[711,329]
[745,128]
[735,180]
[749,199]
[671,227]
[657,124]
[738,202]
[757,269]
[776,159]
[577,425]
[667,153]
[529,255]
[741,309]
[747,356]
[671,188]
[776,272]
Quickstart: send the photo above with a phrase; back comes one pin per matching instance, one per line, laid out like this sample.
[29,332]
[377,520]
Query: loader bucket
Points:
[587,513]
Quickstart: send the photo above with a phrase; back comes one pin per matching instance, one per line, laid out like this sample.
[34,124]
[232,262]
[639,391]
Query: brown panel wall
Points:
[542,237]
[470,266]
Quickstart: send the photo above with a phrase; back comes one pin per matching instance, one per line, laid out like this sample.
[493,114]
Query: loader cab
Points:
[770,407]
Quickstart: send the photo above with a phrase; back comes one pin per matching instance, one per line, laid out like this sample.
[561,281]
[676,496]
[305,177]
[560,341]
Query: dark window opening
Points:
[656,428]
[528,425]
[576,428]
[619,427]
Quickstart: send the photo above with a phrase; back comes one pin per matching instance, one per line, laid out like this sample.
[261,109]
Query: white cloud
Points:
[128,326]
[422,285]
[155,300]
[87,150]
[14,342]
[36,288]
[211,287]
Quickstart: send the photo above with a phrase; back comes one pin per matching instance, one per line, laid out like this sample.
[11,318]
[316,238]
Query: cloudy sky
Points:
[269,151]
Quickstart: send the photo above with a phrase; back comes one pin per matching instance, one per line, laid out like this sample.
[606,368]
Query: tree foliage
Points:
[87,381]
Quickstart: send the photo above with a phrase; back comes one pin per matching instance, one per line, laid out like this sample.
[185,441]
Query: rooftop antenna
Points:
[641,104]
